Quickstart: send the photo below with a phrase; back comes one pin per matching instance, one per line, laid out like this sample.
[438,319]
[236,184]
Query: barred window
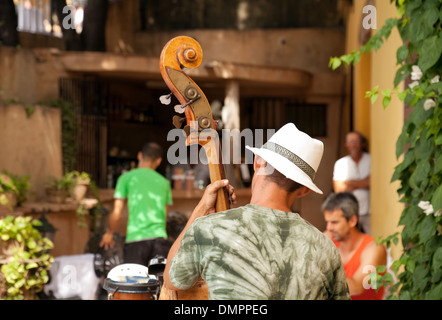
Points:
[39,16]
[275,112]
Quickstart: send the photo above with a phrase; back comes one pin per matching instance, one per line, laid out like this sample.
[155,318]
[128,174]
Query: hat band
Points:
[297,161]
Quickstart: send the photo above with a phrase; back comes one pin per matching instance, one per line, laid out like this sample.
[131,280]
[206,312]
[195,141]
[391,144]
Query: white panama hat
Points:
[294,154]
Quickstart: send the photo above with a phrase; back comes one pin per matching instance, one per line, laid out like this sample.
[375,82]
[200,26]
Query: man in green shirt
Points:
[147,193]
[261,251]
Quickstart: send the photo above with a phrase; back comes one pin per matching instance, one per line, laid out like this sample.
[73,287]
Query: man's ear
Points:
[258,162]
[303,191]
[262,167]
[158,162]
[353,221]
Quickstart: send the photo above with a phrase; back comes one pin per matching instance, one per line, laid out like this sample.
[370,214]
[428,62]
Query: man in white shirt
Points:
[352,173]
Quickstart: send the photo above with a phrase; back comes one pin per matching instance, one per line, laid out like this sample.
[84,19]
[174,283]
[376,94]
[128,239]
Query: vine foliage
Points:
[24,258]
[419,60]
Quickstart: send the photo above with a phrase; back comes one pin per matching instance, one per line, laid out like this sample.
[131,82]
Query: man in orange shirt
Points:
[359,252]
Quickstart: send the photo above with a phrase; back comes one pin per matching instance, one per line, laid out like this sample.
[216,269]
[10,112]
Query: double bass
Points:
[185,52]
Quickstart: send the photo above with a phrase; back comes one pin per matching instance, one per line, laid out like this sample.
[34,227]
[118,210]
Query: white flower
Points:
[438,213]
[413,84]
[416,73]
[435,79]
[428,104]
[426,207]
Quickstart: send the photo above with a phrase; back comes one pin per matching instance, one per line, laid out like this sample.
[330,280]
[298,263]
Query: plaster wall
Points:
[304,49]
[382,126]
[386,126]
[31,145]
[30,75]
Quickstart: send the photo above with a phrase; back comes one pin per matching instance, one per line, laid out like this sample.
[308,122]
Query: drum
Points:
[131,282]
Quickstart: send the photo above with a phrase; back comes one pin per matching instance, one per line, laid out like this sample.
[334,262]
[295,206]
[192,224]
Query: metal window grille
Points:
[91,149]
[266,113]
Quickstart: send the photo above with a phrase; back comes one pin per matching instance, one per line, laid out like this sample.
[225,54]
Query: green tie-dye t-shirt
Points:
[256,253]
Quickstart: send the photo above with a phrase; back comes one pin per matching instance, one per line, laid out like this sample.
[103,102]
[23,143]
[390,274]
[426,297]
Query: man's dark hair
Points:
[152,151]
[281,180]
[345,201]
[362,138]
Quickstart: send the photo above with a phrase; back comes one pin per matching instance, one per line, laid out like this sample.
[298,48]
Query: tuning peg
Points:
[181,107]
[186,130]
[178,121]
[165,99]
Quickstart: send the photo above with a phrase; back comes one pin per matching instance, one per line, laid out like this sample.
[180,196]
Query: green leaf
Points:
[424,18]
[31,265]
[402,95]
[411,265]
[401,143]
[19,283]
[420,279]
[410,99]
[388,278]
[386,101]
[435,293]
[31,244]
[438,166]
[381,269]
[402,73]
[410,215]
[402,53]
[439,140]
[426,228]
[424,147]
[373,279]
[430,52]
[405,295]
[373,94]
[437,259]
[357,57]
[335,63]
[347,59]
[436,200]
[420,174]
[396,265]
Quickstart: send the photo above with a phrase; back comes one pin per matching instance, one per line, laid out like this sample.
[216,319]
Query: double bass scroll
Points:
[185,52]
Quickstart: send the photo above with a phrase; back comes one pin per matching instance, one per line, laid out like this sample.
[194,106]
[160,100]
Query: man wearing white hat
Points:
[262,250]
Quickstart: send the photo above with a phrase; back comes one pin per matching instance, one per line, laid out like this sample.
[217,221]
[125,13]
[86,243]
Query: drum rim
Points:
[124,287]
